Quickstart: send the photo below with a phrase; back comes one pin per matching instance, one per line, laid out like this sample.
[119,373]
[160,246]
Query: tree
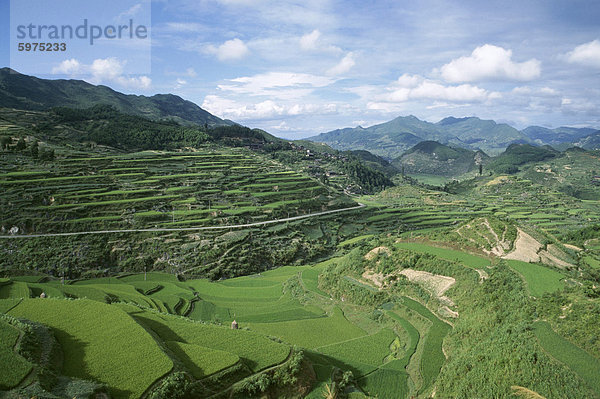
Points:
[21,144]
[46,155]
[35,149]
[5,142]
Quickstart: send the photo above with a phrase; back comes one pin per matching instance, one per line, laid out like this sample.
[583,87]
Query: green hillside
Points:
[31,93]
[393,138]
[431,157]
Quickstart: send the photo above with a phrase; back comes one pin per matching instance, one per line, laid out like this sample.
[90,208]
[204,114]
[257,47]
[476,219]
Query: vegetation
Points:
[129,246]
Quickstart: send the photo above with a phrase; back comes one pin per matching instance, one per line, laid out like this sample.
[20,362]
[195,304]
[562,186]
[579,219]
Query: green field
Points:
[312,333]
[581,362]
[129,365]
[539,279]
[467,259]
[19,367]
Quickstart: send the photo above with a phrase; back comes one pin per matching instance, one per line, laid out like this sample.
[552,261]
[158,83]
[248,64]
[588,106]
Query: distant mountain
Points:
[432,157]
[591,142]
[31,93]
[479,134]
[520,154]
[559,135]
[393,138]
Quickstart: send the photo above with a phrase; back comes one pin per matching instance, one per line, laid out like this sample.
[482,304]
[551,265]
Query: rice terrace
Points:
[323,208]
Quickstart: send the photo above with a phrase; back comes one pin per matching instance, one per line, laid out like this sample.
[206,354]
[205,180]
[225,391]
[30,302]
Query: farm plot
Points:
[364,354]
[433,357]
[539,279]
[578,360]
[312,333]
[19,367]
[255,350]
[130,364]
[156,189]
[202,361]
[453,255]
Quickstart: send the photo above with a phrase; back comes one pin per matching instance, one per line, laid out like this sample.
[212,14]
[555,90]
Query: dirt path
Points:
[166,229]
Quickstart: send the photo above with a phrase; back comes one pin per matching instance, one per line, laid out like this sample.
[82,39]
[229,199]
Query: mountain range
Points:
[30,93]
[391,139]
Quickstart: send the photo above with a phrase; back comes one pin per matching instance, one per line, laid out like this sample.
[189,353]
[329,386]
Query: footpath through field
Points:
[167,229]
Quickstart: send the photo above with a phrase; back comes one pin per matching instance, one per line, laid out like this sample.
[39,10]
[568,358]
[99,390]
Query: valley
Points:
[150,257]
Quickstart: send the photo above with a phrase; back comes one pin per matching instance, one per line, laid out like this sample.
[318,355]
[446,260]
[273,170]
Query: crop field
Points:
[154,189]
[433,357]
[453,255]
[539,279]
[581,362]
[386,383]
[365,353]
[128,365]
[202,361]
[19,367]
[312,333]
[255,350]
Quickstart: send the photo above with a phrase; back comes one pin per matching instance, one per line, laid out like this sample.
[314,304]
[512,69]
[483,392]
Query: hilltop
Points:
[431,157]
[31,93]
[392,138]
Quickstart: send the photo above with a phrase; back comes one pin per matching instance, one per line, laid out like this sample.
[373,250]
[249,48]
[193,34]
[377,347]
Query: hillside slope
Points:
[30,93]
[392,138]
[431,157]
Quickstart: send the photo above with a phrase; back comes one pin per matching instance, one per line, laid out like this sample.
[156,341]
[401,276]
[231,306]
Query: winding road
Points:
[167,229]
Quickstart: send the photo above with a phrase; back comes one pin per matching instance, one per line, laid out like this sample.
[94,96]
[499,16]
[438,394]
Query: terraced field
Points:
[584,364]
[155,189]
[539,279]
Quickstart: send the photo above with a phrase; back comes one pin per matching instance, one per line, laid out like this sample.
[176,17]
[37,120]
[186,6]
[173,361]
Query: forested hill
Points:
[30,93]
[392,138]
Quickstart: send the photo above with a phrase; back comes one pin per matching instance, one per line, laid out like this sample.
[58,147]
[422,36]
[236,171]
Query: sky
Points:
[299,68]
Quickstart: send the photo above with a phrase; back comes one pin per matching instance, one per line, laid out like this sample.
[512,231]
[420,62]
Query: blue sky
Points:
[298,68]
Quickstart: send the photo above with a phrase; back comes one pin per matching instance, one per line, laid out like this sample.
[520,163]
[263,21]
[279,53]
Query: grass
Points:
[539,279]
[386,384]
[414,336]
[370,350]
[312,333]
[255,350]
[310,278]
[433,357]
[467,259]
[202,361]
[19,367]
[128,365]
[15,289]
[578,360]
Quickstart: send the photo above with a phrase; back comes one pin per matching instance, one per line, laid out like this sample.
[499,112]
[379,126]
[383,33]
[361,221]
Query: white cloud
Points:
[102,70]
[587,54]
[309,41]
[233,49]
[343,66]
[267,109]
[68,67]
[415,87]
[408,81]
[179,83]
[282,85]
[106,69]
[489,62]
